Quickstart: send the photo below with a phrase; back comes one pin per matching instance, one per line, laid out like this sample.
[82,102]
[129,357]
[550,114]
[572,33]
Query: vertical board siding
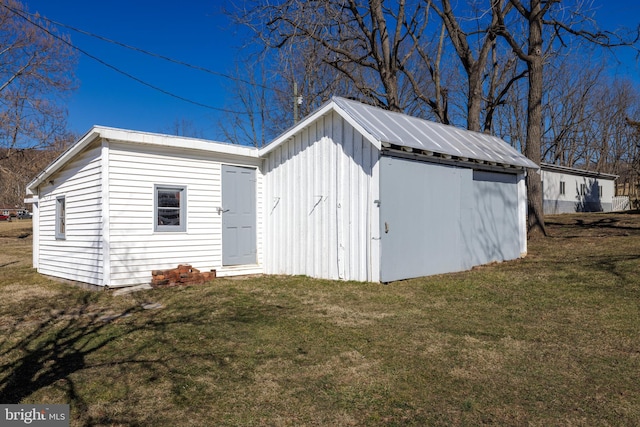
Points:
[318,199]
[522,212]
[136,249]
[79,256]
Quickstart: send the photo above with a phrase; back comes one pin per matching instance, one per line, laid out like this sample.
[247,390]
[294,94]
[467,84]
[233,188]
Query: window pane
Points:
[62,215]
[170,209]
[60,218]
[168,216]
[168,199]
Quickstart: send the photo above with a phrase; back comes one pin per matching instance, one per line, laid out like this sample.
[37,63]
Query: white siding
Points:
[77,257]
[318,203]
[135,248]
[572,200]
[522,212]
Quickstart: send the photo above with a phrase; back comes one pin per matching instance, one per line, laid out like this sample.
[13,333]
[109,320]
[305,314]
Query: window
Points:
[561,187]
[600,191]
[61,220]
[583,189]
[170,208]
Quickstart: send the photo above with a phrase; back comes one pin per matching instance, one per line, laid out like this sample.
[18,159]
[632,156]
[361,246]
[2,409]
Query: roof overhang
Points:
[137,137]
[328,107]
[445,159]
[396,132]
[575,171]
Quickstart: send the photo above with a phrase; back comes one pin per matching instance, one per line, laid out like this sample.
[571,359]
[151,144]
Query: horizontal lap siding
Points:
[572,200]
[79,256]
[318,202]
[135,248]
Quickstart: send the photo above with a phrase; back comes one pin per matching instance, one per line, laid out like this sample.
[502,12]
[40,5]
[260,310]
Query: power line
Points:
[153,54]
[116,69]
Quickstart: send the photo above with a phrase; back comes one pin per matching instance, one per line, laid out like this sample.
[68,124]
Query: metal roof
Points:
[575,171]
[401,130]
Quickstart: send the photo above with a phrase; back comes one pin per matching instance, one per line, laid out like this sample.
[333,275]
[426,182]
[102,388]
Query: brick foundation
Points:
[181,276]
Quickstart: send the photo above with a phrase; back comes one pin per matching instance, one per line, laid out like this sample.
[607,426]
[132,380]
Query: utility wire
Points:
[153,54]
[116,69]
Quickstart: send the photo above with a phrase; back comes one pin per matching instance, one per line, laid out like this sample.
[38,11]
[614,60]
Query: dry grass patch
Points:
[551,339]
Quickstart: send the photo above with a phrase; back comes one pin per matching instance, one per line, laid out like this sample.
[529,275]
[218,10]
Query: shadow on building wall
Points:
[589,197]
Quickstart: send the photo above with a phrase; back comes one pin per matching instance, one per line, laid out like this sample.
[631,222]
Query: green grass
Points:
[552,339]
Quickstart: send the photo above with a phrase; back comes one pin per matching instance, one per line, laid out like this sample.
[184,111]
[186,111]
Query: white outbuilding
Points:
[120,203]
[352,192]
[567,190]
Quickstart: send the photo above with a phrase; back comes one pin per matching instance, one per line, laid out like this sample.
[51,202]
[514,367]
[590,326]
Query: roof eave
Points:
[413,153]
[173,141]
[138,137]
[63,158]
[575,171]
[325,109]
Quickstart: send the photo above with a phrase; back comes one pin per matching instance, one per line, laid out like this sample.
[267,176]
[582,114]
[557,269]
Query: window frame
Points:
[61,218]
[182,209]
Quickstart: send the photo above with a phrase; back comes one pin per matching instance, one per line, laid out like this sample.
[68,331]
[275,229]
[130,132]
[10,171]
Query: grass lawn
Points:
[552,339]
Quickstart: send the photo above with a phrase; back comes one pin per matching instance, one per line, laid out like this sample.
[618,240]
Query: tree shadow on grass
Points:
[57,346]
[592,226]
[50,352]
[612,265]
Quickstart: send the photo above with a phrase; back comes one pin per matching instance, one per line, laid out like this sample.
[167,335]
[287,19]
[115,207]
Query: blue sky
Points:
[196,32]
[193,31]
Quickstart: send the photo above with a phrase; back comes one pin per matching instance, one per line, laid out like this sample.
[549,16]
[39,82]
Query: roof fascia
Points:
[325,109]
[62,159]
[575,171]
[172,141]
[137,137]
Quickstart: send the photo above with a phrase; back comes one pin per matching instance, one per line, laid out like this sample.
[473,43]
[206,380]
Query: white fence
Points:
[620,203]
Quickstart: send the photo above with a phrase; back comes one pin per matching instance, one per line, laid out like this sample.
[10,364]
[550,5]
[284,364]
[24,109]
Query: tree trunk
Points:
[535,219]
[475,96]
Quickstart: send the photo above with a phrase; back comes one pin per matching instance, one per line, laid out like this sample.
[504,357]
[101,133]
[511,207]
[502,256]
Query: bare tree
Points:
[631,182]
[395,55]
[557,20]
[22,166]
[379,52]
[36,70]
[264,103]
[485,90]
[247,121]
[532,53]
[567,112]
